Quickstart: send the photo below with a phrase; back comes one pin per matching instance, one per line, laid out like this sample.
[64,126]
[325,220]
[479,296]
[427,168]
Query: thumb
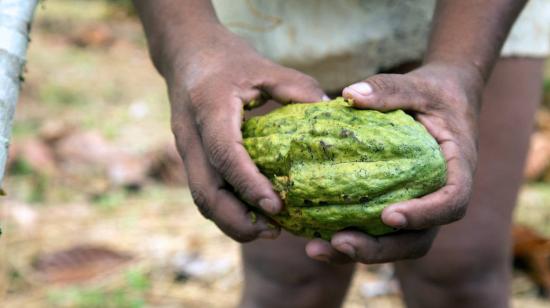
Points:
[288,86]
[384,92]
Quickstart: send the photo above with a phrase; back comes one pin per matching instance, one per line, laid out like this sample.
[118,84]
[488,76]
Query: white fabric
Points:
[530,36]
[340,42]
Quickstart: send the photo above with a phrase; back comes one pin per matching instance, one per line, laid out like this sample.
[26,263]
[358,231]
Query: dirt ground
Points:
[71,239]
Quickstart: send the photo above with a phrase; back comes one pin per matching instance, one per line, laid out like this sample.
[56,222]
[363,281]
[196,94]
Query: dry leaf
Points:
[533,250]
[79,263]
[538,158]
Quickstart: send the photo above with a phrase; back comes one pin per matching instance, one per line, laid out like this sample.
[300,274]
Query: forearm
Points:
[470,33]
[174,26]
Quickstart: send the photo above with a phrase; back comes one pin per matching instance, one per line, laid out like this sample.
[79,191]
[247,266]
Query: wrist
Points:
[454,77]
[467,67]
[171,26]
[176,48]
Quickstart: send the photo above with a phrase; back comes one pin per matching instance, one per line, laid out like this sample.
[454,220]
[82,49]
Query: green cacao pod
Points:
[337,167]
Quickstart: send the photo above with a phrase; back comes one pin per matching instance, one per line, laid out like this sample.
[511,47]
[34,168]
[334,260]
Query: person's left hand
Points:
[445,99]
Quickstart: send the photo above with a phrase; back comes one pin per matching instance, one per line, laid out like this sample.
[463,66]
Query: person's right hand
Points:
[208,87]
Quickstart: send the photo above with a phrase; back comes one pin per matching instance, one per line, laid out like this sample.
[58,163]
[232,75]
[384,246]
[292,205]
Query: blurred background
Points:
[98,213]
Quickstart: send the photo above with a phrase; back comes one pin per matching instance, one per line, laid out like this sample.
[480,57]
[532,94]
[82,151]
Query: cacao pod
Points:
[337,167]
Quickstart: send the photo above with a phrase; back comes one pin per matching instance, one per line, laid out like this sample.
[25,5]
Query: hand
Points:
[208,88]
[445,99]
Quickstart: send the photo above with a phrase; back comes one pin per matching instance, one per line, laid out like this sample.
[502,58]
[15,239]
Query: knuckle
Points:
[180,130]
[201,201]
[244,186]
[431,94]
[458,212]
[182,151]
[382,104]
[383,82]
[220,157]
[310,81]
[183,133]
[461,98]
[200,106]
[201,120]
[183,143]
[460,205]
[378,254]
[449,94]
[244,236]
[375,252]
[196,91]
[176,126]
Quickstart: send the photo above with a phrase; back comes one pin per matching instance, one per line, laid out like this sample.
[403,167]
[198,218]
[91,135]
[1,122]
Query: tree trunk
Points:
[15,20]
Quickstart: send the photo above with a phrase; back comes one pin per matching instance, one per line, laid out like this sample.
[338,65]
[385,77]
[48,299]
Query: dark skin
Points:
[444,93]
[468,264]
[211,74]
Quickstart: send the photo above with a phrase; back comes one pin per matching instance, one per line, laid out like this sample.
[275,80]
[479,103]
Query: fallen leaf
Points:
[538,158]
[96,35]
[533,251]
[34,154]
[79,263]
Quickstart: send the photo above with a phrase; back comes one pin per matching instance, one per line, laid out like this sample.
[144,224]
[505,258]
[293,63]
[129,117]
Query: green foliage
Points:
[130,295]
[26,127]
[109,201]
[546,93]
[37,187]
[124,5]
[137,280]
[21,167]
[56,94]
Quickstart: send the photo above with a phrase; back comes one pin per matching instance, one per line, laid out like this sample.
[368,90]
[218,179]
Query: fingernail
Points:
[347,249]
[361,88]
[322,258]
[397,220]
[325,98]
[268,205]
[268,234]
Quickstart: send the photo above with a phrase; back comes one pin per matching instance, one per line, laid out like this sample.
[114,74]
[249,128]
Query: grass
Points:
[131,294]
[61,95]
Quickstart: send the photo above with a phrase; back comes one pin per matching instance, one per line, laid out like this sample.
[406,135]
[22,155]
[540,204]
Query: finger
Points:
[385,92]
[444,206]
[367,249]
[321,250]
[220,131]
[212,199]
[290,86]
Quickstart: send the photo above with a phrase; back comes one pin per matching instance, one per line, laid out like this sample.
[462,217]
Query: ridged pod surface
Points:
[337,167]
